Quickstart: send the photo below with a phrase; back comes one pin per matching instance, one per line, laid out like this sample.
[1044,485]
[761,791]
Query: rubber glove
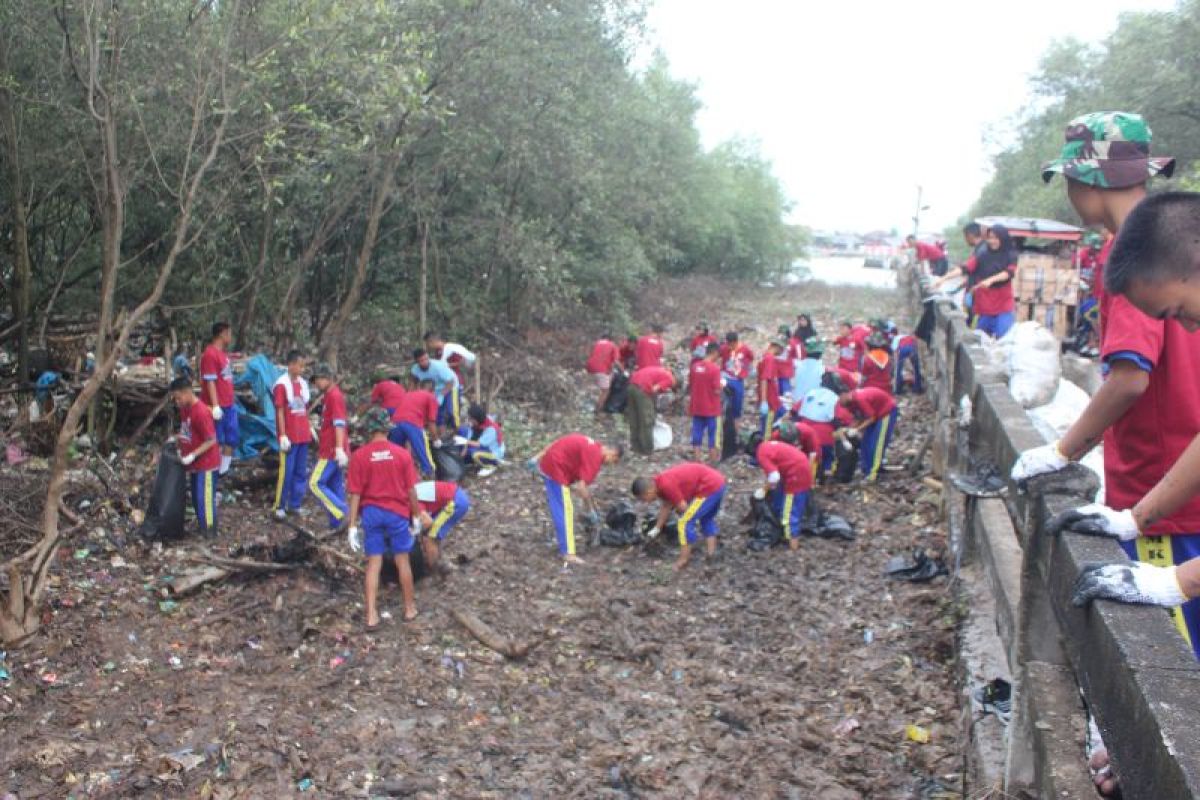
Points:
[217,413]
[343,460]
[1134,582]
[532,465]
[760,493]
[285,444]
[763,408]
[653,532]
[188,459]
[1095,519]
[354,539]
[1039,461]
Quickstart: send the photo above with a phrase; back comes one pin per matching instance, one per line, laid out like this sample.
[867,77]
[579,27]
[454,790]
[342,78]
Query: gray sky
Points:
[857,102]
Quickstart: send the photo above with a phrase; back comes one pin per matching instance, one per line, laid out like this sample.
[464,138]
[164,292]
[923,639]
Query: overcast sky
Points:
[857,102]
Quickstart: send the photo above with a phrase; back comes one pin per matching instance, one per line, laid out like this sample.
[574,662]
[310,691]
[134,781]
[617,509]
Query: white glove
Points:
[436,444]
[763,408]
[1095,519]
[773,477]
[354,539]
[285,444]
[1039,461]
[461,440]
[1134,582]
[217,413]
[653,532]
[416,526]
[188,459]
[339,455]
[760,493]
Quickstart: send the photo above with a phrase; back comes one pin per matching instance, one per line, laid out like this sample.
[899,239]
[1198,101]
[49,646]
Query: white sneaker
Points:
[483,473]
[280,514]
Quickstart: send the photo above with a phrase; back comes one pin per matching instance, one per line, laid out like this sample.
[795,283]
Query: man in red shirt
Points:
[645,385]
[291,396]
[705,403]
[849,347]
[387,394]
[785,367]
[197,442]
[701,339]
[416,423]
[877,367]
[600,364]
[447,503]
[383,494]
[629,353]
[650,348]
[876,413]
[216,376]
[789,479]
[572,462]
[736,360]
[933,255]
[770,406]
[694,492]
[820,412]
[333,448]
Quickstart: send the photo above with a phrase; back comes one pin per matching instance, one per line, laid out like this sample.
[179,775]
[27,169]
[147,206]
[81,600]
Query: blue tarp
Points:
[257,431]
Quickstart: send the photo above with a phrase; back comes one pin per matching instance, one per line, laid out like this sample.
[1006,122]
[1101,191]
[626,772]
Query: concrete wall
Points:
[1134,671]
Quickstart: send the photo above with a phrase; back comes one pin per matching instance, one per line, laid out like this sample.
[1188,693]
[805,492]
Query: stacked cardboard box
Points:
[1045,279]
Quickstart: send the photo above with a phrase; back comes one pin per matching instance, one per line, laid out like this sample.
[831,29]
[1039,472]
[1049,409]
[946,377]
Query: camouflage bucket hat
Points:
[377,420]
[1109,150]
[814,346]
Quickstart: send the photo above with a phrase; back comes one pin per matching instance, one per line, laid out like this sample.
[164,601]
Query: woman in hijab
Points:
[991,274]
[805,329]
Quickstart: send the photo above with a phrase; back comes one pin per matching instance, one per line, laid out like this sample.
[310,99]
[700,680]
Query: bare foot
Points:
[373,623]
[568,560]
[793,544]
[1102,774]
[410,614]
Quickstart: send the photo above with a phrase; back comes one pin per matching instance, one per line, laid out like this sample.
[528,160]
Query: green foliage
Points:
[1148,66]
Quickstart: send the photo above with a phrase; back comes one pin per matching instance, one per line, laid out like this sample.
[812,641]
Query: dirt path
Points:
[738,678]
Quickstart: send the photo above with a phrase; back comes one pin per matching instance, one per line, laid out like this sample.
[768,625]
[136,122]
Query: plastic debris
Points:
[304,784]
[846,727]
[168,606]
[915,733]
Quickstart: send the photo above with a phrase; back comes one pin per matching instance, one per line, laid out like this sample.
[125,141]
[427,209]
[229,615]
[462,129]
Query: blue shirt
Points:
[490,441]
[440,373]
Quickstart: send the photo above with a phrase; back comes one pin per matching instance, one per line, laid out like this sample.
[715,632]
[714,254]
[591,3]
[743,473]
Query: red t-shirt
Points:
[809,441]
[843,416]
[871,403]
[796,349]
[1148,439]
[700,342]
[736,361]
[572,458]
[443,493]
[387,394]
[604,356]
[784,368]
[195,428]
[295,414]
[767,372]
[649,352]
[823,432]
[850,350]
[652,380]
[877,370]
[705,382]
[333,416]
[795,473]
[849,377]
[929,252]
[382,474]
[215,367]
[992,300]
[418,407]
[688,482]
[628,352]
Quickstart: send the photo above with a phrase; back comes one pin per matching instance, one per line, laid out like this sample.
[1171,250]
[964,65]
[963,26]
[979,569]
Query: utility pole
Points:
[917,214]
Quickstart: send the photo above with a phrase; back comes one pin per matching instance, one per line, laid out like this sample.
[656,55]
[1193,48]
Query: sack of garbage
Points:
[919,567]
[1034,364]
[618,394]
[620,526]
[827,526]
[448,464]
[729,432]
[663,435]
[168,499]
[1054,418]
[846,453]
[765,528]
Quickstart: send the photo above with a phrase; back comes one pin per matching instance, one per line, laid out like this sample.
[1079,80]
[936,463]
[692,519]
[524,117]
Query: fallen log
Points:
[191,581]
[490,638]
[239,564]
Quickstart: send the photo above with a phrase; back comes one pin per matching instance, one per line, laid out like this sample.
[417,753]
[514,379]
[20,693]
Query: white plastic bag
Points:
[662,435]
[1034,364]
[1056,417]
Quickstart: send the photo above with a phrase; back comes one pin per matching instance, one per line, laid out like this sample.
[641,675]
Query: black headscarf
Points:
[805,331]
[992,262]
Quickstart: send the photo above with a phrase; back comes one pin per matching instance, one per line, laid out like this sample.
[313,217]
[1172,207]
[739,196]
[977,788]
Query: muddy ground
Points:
[755,675]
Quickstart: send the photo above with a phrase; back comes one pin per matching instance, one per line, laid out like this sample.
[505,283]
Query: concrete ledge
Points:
[1000,551]
[1059,732]
[1083,372]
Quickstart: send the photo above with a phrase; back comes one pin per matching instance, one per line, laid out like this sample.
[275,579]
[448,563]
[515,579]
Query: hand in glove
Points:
[217,413]
[763,408]
[285,444]
[653,532]
[343,460]
[354,539]
[188,459]
[532,465]
[1039,461]
[461,440]
[760,493]
[1133,582]
[437,444]
[592,517]
[1095,519]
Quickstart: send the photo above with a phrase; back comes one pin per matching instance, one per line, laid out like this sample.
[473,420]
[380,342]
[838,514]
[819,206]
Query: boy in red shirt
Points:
[820,412]
[650,348]
[785,367]
[694,492]
[333,448]
[789,479]
[877,364]
[904,348]
[415,422]
[645,385]
[383,494]
[701,339]
[736,360]
[484,446]
[387,394]
[849,348]
[705,403]
[605,356]
[216,376]
[197,442]
[572,462]
[770,405]
[933,255]
[447,503]
[628,353]
[291,396]
[876,413]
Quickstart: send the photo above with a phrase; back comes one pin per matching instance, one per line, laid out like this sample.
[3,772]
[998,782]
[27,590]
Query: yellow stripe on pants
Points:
[691,512]
[720,426]
[880,443]
[1157,550]
[788,499]
[314,486]
[282,476]
[569,519]
[428,450]
[445,514]
[210,506]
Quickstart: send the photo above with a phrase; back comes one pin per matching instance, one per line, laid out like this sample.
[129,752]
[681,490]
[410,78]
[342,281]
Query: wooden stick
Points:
[489,637]
[236,564]
[478,383]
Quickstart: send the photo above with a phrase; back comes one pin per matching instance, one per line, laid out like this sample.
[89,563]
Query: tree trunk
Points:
[423,302]
[20,227]
[246,318]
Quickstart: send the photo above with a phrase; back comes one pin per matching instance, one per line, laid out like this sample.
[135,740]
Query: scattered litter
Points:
[915,733]
[917,568]
[982,480]
[846,727]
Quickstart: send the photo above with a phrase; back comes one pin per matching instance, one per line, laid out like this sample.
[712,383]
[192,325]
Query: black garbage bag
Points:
[448,464]
[846,452]
[416,563]
[618,394]
[925,325]
[752,444]
[168,499]
[620,527]
[983,479]
[918,567]
[765,529]
[826,526]
[730,445]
